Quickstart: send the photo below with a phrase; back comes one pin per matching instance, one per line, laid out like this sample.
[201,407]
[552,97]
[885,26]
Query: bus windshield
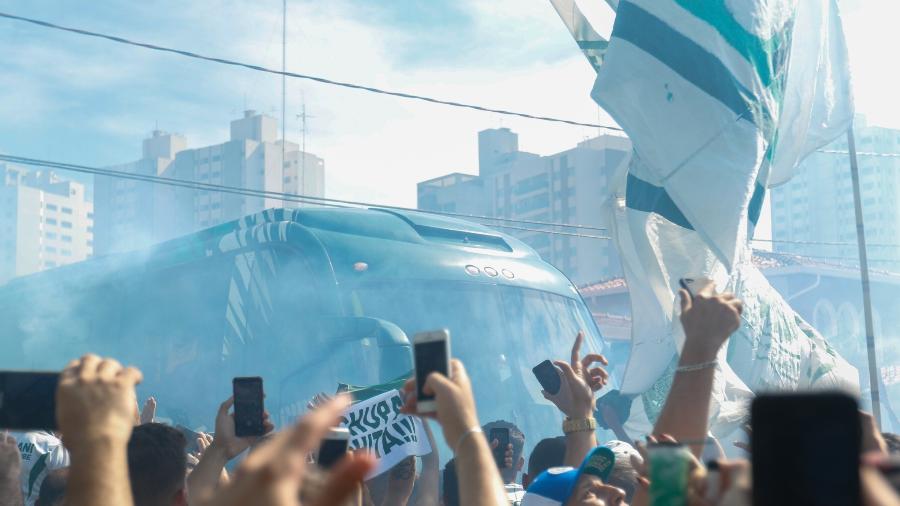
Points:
[499,332]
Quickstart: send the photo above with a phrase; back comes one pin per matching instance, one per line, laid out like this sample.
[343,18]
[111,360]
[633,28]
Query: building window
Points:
[90,243]
[51,207]
[49,249]
[67,224]
[90,216]
[49,264]
[90,230]
[66,253]
[51,221]
[67,238]
[67,210]
[50,235]
[215,205]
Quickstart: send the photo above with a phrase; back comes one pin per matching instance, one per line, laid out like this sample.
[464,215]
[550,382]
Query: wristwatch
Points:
[581,425]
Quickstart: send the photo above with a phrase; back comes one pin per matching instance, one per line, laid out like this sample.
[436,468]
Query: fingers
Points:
[87,368]
[568,371]
[495,443]
[458,372]
[344,480]
[576,351]
[589,360]
[107,369]
[131,375]
[437,383]
[224,407]
[686,302]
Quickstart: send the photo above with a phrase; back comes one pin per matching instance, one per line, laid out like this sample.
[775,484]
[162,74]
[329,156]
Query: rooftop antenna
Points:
[303,117]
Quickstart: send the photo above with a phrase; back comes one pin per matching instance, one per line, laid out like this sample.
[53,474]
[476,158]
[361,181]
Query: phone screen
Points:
[429,357]
[248,407]
[548,377]
[28,400]
[501,435]
[806,450]
[332,451]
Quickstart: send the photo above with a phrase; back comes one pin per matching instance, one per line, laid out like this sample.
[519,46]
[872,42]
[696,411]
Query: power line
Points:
[323,80]
[212,187]
[864,153]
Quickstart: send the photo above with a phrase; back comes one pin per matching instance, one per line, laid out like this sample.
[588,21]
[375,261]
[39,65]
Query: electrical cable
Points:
[323,80]
[212,187]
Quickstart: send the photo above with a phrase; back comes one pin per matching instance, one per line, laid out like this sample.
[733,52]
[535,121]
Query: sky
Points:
[81,100]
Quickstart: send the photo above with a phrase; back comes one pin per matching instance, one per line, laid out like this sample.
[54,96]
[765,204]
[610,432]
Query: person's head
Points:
[624,475]
[550,452]
[584,486]
[892,440]
[53,488]
[517,440]
[450,488]
[157,465]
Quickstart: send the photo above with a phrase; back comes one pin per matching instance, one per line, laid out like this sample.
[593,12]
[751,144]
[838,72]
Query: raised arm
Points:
[576,400]
[95,410]
[708,320]
[479,479]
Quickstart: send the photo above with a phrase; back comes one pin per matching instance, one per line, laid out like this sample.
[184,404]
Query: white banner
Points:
[378,425]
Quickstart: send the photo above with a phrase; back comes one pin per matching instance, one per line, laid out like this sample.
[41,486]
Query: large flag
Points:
[721,99]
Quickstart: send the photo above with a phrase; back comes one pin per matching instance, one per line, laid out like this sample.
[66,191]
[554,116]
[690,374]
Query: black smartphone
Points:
[500,434]
[548,376]
[28,400]
[333,447]
[248,406]
[806,449]
[431,353]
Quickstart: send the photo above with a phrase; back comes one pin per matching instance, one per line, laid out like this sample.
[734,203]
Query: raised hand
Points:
[579,382]
[226,439]
[148,412]
[272,474]
[95,402]
[708,320]
[455,402]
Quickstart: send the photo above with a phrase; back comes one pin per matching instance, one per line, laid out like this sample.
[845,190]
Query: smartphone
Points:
[28,400]
[431,353]
[500,434]
[189,436]
[669,466]
[248,406]
[695,285]
[806,449]
[334,447]
[548,376]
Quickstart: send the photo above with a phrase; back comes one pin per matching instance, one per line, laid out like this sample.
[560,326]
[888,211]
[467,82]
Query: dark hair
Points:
[451,484]
[892,440]
[516,437]
[157,463]
[53,488]
[550,452]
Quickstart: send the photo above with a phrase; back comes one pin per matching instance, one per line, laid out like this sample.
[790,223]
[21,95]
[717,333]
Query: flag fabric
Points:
[721,99]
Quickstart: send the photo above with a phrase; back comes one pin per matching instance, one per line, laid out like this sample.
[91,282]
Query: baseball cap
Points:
[554,486]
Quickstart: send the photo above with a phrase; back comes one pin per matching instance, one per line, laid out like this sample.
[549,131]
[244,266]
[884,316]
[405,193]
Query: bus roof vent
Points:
[453,231]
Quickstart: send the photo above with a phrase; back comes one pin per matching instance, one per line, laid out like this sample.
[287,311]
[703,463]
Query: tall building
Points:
[133,214]
[817,204]
[564,188]
[45,222]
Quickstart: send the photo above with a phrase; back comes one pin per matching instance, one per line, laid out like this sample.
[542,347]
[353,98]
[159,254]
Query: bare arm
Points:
[10,467]
[479,479]
[708,321]
[575,398]
[95,409]
[428,486]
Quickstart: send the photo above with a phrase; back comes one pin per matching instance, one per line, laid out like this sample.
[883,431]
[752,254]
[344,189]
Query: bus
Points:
[308,299]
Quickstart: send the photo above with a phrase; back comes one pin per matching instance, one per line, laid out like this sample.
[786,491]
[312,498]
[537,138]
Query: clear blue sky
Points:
[81,100]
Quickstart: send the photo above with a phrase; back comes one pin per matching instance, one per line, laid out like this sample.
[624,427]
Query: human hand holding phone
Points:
[579,382]
[334,447]
[226,438]
[431,354]
[453,400]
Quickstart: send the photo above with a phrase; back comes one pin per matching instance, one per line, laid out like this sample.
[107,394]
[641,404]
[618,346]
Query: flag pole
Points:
[864,277]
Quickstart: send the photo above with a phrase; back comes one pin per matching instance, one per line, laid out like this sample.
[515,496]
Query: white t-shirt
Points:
[514,493]
[41,452]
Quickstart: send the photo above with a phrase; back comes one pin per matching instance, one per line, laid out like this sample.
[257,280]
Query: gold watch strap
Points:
[580,425]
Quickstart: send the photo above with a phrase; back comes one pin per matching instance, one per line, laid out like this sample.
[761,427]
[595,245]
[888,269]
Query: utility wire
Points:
[212,187]
[824,243]
[323,80]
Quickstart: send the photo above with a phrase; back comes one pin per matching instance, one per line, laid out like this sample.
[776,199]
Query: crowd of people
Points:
[108,452]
